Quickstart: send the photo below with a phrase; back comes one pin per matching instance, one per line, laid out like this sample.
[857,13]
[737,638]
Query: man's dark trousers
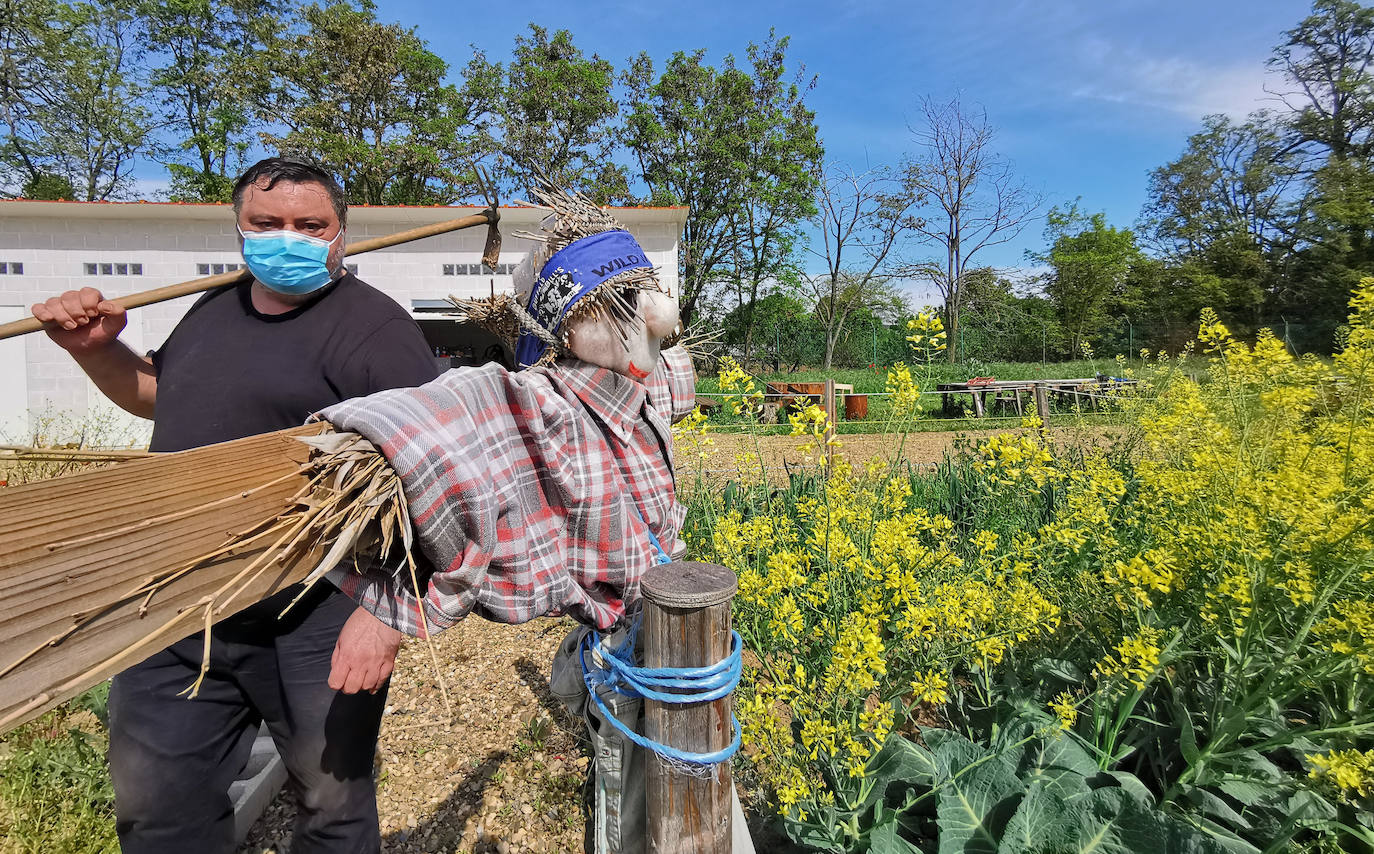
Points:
[172,759]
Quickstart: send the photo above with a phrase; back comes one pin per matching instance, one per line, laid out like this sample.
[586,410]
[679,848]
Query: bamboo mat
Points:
[82,548]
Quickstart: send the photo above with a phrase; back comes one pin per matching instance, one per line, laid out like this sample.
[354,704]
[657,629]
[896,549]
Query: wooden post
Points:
[1042,404]
[687,624]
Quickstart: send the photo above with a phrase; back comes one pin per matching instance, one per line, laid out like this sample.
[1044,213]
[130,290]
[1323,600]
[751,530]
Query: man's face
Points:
[304,208]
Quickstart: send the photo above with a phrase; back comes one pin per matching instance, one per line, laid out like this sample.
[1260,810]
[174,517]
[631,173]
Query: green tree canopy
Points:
[739,147]
[215,57]
[1328,62]
[551,110]
[72,98]
[1090,265]
[369,101]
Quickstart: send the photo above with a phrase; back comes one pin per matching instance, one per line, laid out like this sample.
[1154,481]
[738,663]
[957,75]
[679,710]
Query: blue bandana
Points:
[573,272]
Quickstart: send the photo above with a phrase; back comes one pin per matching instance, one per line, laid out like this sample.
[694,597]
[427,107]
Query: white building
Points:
[120,248]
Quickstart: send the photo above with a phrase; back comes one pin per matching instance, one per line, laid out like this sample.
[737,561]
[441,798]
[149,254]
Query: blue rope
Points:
[692,684]
[660,556]
[695,684]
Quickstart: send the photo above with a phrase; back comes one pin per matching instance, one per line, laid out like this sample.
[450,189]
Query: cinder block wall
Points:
[54,242]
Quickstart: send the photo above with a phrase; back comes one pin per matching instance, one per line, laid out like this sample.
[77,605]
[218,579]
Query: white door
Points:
[14,381]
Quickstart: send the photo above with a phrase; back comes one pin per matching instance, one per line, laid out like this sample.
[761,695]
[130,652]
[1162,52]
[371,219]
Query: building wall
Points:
[54,242]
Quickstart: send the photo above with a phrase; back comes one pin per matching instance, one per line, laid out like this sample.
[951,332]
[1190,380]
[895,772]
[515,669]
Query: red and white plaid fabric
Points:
[529,491]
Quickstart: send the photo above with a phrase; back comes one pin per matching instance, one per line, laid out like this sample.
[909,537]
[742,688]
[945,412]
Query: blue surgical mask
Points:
[287,262]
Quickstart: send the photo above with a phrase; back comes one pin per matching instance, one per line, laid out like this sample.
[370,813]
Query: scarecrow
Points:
[547,490]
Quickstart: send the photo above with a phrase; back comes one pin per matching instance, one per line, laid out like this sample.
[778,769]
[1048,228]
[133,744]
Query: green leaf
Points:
[899,761]
[1248,792]
[1111,821]
[1250,764]
[1308,805]
[952,752]
[1125,781]
[1058,762]
[884,839]
[1187,739]
[1042,822]
[814,837]
[1059,668]
[1215,808]
[977,794]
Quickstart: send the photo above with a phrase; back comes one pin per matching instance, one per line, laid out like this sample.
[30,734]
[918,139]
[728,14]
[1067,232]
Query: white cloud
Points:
[1175,84]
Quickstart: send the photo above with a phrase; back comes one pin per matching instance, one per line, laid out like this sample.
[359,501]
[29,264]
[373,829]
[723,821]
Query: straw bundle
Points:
[100,569]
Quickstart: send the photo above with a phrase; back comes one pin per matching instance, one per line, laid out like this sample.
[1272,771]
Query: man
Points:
[248,359]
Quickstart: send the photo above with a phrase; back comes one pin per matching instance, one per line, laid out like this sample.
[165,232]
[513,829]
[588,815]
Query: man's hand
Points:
[364,655]
[81,321]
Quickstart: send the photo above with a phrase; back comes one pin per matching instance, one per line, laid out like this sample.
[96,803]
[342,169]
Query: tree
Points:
[551,110]
[696,133]
[1001,325]
[783,155]
[781,323]
[1090,263]
[368,101]
[71,98]
[1225,216]
[976,199]
[1328,63]
[1232,179]
[214,69]
[1329,59]
[860,218]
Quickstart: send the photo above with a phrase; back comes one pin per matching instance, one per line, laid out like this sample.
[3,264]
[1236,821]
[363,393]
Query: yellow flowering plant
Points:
[1187,613]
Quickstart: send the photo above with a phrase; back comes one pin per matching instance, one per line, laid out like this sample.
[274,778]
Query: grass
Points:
[55,793]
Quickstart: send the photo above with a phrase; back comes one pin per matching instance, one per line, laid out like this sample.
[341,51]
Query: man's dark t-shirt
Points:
[228,371]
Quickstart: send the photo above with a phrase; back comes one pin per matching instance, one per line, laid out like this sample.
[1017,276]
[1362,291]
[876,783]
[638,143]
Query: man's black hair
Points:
[297,170]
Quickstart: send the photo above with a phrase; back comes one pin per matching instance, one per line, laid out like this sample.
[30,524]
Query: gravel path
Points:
[504,775]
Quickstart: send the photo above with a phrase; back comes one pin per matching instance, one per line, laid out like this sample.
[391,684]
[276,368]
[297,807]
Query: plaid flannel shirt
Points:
[530,491]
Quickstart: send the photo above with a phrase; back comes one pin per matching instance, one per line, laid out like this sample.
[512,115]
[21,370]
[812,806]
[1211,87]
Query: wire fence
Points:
[1067,404]
[801,345]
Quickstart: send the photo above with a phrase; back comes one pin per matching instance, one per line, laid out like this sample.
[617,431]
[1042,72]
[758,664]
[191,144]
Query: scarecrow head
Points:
[587,289]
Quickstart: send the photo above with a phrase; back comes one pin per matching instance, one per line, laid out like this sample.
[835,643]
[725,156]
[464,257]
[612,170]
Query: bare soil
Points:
[778,453]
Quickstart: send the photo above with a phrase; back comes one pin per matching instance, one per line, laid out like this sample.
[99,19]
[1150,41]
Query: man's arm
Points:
[87,326]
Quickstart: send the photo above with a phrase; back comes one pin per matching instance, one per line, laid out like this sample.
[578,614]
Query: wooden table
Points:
[1008,393]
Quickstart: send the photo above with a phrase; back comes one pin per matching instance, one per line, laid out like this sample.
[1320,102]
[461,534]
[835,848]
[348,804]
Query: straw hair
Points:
[572,217]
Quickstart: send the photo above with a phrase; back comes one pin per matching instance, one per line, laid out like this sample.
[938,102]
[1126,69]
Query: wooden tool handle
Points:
[490,217]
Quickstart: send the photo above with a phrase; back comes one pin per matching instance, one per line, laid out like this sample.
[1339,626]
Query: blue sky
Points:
[1087,97]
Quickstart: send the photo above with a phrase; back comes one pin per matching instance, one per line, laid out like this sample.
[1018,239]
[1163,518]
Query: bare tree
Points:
[976,199]
[860,217]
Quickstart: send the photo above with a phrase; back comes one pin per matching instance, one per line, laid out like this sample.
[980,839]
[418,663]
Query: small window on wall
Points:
[11,268]
[477,270]
[216,269]
[113,269]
